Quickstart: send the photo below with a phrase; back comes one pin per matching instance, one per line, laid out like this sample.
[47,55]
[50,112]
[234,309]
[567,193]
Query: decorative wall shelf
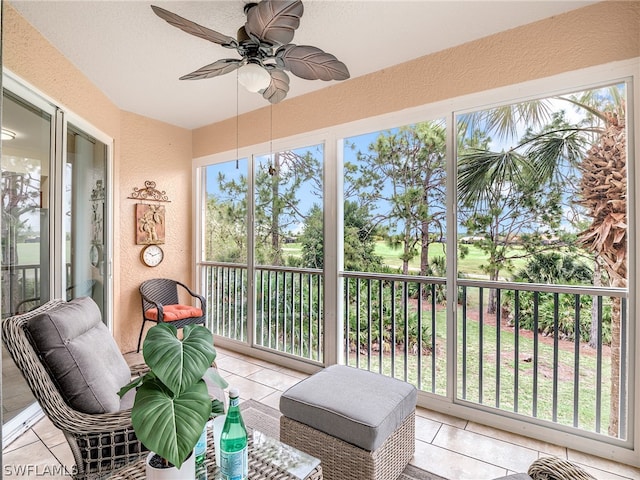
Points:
[149,192]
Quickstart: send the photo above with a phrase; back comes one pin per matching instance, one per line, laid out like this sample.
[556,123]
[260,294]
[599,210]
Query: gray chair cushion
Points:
[357,406]
[81,355]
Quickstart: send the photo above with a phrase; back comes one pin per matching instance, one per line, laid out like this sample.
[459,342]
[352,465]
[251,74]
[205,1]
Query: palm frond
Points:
[479,171]
[599,101]
[546,153]
[503,121]
[582,104]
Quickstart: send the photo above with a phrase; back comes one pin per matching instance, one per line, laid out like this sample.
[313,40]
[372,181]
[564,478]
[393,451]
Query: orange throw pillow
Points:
[174,312]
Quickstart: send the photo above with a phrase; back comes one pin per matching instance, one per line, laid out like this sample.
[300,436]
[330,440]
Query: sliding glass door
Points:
[55,222]
[85,179]
[26,200]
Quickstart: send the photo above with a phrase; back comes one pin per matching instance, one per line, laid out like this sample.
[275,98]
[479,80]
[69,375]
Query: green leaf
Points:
[217,407]
[170,425]
[215,377]
[132,384]
[179,364]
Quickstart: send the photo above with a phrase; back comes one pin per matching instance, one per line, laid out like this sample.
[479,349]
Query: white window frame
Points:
[627,70]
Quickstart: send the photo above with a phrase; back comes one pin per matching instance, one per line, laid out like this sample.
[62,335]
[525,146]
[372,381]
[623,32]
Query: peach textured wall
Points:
[598,34]
[149,150]
[29,55]
[144,149]
[156,151]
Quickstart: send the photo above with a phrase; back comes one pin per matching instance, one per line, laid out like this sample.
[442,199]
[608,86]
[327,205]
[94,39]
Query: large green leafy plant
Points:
[172,403]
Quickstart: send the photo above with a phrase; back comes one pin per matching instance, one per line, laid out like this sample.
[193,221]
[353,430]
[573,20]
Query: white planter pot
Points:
[187,470]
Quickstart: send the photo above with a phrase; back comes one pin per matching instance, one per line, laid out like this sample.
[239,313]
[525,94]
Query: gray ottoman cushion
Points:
[357,406]
[81,355]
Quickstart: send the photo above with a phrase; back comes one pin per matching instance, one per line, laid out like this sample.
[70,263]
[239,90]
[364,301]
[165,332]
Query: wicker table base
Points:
[269,459]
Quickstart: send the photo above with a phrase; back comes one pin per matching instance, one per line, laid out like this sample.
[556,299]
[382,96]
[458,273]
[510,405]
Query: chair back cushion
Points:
[81,355]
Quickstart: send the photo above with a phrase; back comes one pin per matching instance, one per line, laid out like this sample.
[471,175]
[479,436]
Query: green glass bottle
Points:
[234,459]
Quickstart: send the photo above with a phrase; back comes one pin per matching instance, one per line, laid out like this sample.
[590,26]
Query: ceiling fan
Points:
[265,49]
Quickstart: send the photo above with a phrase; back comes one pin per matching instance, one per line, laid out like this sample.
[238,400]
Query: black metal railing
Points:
[545,352]
[225,288]
[289,310]
[20,287]
[396,325]
[288,306]
[540,351]
[520,348]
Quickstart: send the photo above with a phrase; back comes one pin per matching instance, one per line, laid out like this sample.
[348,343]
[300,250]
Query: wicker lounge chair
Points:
[553,468]
[161,303]
[99,442]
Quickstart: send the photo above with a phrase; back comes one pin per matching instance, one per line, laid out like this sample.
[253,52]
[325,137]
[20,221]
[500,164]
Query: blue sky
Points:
[361,143]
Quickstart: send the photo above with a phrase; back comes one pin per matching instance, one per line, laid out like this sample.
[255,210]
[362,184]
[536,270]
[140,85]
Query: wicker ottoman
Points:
[360,424]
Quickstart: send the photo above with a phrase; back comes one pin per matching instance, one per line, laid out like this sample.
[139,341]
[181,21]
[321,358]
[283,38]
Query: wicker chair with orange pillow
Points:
[161,303]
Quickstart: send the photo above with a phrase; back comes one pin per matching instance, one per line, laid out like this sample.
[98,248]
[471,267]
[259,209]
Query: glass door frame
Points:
[57,251]
[32,413]
[332,333]
[87,128]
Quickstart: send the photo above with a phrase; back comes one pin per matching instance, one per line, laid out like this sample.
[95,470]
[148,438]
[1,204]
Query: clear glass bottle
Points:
[200,449]
[234,459]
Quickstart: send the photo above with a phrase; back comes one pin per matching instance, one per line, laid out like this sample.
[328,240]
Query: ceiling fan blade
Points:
[311,63]
[278,88]
[274,21]
[219,67]
[195,29]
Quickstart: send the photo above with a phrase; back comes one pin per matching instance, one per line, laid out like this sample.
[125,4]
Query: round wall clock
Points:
[152,255]
[95,255]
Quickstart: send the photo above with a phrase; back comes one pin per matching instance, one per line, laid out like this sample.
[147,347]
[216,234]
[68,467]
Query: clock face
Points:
[95,255]
[152,255]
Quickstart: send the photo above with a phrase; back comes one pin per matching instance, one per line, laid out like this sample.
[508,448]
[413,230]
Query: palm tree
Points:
[597,147]
[506,194]
[604,195]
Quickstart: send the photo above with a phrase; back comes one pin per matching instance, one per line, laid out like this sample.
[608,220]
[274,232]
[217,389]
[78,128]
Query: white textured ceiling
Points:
[136,58]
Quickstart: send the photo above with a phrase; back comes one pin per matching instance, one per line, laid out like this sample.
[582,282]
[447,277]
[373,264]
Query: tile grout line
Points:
[438,431]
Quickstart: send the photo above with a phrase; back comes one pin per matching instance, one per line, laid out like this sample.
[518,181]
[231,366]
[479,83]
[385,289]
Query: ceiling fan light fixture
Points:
[253,77]
[8,134]
[264,43]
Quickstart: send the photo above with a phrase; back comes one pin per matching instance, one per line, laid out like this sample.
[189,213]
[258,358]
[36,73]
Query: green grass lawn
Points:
[29,253]
[469,265]
[502,394]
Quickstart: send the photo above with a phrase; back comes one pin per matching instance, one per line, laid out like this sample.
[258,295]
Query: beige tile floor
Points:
[453,448]
[13,399]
